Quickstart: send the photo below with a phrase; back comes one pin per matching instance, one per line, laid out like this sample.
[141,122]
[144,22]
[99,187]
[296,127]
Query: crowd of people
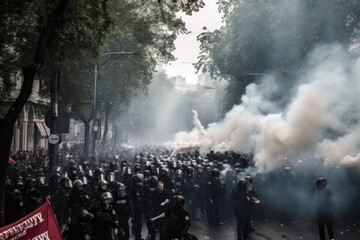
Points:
[113,196]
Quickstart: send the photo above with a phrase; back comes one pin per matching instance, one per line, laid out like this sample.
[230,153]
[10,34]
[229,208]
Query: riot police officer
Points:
[241,204]
[254,200]
[78,200]
[149,195]
[190,191]
[122,206]
[179,182]
[59,198]
[81,229]
[105,221]
[101,189]
[33,197]
[137,200]
[215,189]
[178,220]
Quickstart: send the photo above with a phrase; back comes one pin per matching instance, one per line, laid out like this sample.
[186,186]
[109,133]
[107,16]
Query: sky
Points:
[187,48]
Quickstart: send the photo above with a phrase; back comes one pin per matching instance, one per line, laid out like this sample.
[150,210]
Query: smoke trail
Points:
[188,140]
[319,121]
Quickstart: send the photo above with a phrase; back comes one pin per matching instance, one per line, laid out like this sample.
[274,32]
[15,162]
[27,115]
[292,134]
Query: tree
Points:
[143,27]
[272,36]
[23,22]
[32,29]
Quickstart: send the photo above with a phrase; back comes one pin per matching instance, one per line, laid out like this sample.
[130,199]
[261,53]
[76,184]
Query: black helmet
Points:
[179,173]
[55,178]
[107,195]
[242,185]
[189,170]
[215,172]
[66,182]
[153,181]
[41,181]
[249,179]
[111,177]
[321,183]
[113,165]
[137,168]
[136,179]
[179,201]
[121,189]
[102,183]
[85,216]
[147,173]
[78,183]
[164,171]
[57,170]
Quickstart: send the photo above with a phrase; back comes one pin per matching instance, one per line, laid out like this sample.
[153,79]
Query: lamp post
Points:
[221,98]
[95,123]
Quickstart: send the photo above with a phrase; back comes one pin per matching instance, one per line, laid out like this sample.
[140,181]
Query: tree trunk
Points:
[87,137]
[106,126]
[29,73]
[115,134]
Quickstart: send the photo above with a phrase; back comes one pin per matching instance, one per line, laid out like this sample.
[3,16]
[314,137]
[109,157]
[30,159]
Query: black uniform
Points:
[14,206]
[215,190]
[104,221]
[160,197]
[79,200]
[137,200]
[241,204]
[122,206]
[324,211]
[78,231]
[178,223]
[190,192]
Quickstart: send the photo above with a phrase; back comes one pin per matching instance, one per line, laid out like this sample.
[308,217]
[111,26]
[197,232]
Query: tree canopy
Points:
[272,36]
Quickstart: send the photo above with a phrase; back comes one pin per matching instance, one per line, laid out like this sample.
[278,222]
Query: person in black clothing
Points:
[58,198]
[137,201]
[160,204]
[178,220]
[179,182]
[101,189]
[241,204]
[324,209]
[105,221]
[14,205]
[251,192]
[81,229]
[33,197]
[169,183]
[215,189]
[78,200]
[122,206]
[190,190]
[150,196]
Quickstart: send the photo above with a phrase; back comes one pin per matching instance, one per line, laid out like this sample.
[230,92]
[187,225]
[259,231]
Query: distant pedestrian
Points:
[324,209]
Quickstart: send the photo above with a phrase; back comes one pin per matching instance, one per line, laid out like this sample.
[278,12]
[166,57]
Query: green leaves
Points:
[262,36]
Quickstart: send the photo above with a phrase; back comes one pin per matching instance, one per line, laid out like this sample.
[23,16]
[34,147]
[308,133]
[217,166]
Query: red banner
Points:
[38,225]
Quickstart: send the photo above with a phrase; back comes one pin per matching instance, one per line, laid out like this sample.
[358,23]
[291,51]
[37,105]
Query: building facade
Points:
[30,130]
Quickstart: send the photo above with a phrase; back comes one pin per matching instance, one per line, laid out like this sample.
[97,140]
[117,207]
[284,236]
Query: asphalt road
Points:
[273,229]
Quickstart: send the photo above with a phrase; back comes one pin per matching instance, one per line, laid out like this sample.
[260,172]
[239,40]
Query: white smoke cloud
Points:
[321,120]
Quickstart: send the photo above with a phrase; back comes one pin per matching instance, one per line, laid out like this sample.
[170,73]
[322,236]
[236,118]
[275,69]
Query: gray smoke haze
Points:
[320,121]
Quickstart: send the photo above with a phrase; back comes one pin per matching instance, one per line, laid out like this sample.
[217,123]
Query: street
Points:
[272,229]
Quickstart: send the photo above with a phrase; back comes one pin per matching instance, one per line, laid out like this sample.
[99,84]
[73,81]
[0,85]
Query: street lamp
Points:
[95,125]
